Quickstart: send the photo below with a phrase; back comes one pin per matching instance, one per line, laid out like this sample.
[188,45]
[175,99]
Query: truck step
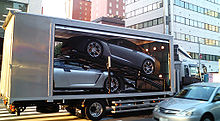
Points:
[132,110]
[132,106]
[135,101]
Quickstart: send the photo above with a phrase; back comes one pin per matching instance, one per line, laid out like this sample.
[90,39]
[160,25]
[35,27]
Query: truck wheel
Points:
[95,110]
[148,67]
[115,85]
[94,49]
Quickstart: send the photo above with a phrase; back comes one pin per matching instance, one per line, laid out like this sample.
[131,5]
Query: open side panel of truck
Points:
[127,51]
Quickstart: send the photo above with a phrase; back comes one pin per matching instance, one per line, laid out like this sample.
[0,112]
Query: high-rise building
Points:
[194,24]
[30,6]
[81,10]
[107,8]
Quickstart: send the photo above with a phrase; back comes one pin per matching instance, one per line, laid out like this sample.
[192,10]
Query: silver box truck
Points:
[27,67]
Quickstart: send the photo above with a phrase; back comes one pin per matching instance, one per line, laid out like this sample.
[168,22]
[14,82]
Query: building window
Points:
[150,8]
[110,11]
[116,13]
[116,5]
[198,9]
[117,0]
[110,4]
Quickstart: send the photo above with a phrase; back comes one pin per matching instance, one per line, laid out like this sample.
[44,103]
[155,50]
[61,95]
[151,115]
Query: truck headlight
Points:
[187,112]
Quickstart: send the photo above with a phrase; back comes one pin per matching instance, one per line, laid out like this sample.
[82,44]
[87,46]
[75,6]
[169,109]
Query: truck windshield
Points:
[194,71]
[196,93]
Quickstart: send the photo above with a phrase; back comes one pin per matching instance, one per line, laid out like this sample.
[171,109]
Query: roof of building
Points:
[110,19]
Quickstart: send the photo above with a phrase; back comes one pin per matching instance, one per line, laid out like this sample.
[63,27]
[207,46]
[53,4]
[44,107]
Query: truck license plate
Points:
[163,119]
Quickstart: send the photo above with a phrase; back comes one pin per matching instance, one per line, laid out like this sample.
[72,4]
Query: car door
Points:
[215,107]
[60,80]
[120,52]
[79,77]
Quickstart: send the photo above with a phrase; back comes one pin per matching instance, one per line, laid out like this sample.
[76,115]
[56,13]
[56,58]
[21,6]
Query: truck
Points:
[29,59]
[186,70]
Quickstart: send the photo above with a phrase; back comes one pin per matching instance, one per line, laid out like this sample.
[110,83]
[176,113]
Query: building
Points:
[30,6]
[194,24]
[107,8]
[110,21]
[81,10]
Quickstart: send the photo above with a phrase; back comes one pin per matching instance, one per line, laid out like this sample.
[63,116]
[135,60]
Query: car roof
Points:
[207,84]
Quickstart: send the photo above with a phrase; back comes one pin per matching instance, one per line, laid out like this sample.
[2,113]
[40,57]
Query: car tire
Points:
[148,67]
[207,118]
[115,85]
[94,49]
[95,110]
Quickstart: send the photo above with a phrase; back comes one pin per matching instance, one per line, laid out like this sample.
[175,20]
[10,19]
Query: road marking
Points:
[30,114]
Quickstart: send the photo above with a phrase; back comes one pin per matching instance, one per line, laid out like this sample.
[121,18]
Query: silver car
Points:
[71,75]
[196,102]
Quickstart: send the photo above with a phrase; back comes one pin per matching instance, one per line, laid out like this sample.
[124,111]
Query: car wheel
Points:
[114,85]
[95,110]
[94,49]
[148,67]
[207,118]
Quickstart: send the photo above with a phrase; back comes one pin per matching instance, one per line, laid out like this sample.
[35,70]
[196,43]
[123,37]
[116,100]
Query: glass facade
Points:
[206,57]
[196,39]
[197,24]
[147,24]
[5,6]
[196,8]
[144,9]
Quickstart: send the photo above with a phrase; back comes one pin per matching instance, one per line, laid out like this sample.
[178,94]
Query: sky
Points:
[55,8]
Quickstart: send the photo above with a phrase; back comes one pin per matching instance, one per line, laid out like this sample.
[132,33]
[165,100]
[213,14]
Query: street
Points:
[30,114]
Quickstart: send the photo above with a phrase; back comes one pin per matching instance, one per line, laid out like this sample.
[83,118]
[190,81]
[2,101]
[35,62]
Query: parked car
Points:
[71,75]
[122,51]
[196,102]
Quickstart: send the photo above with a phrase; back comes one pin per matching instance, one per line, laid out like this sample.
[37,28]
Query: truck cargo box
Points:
[28,55]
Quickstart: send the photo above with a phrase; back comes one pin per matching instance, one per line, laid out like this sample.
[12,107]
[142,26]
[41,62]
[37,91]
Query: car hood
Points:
[180,104]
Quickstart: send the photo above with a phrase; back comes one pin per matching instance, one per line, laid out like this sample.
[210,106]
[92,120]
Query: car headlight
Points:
[156,108]
[187,112]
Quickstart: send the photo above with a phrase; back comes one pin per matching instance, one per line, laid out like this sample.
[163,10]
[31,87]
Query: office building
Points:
[194,24]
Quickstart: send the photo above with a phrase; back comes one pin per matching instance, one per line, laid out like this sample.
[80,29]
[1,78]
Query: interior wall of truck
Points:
[81,63]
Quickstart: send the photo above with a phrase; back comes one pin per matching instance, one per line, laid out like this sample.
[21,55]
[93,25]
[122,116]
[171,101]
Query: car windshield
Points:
[196,93]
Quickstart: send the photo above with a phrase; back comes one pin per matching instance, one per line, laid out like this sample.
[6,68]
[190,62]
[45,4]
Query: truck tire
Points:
[95,110]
